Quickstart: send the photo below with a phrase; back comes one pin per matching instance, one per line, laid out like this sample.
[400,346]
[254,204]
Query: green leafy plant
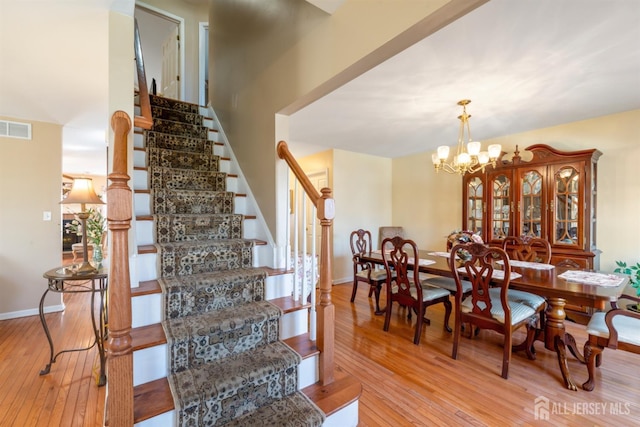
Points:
[633,271]
[96,225]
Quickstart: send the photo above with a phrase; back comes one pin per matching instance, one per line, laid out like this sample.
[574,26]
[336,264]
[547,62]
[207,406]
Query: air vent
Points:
[15,129]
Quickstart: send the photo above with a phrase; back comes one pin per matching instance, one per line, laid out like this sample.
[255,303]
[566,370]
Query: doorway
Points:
[161,36]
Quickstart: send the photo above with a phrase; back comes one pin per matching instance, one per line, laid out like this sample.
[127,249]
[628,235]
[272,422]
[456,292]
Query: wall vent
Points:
[15,129]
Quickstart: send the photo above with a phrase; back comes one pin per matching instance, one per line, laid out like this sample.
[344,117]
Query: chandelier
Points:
[466,160]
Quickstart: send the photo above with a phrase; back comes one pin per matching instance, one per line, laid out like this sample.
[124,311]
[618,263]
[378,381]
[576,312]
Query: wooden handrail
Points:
[119,405]
[145,121]
[326,310]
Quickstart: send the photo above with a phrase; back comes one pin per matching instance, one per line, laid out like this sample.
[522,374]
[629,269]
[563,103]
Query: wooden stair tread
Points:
[144,218]
[146,287]
[276,271]
[147,336]
[330,398]
[288,304]
[154,398]
[147,249]
[303,345]
[151,399]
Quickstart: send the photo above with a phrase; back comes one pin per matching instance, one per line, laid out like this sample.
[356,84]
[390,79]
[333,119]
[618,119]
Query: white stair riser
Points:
[147,267]
[345,417]
[138,140]
[308,372]
[145,234]
[232,184]
[141,204]
[225,166]
[279,286]
[293,324]
[146,310]
[140,180]
[167,419]
[219,150]
[240,205]
[140,158]
[150,364]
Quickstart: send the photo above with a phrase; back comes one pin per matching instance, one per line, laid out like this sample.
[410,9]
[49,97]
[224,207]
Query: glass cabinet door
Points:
[475,206]
[501,207]
[566,206]
[531,211]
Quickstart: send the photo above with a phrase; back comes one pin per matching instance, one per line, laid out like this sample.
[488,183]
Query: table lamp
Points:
[82,193]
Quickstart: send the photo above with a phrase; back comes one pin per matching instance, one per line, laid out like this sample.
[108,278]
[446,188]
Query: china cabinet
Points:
[552,196]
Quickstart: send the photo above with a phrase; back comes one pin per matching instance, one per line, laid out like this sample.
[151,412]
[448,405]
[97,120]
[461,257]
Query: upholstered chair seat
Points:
[628,328]
[534,301]
[519,312]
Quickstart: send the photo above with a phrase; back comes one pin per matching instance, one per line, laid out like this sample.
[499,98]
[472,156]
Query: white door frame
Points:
[203,58]
[180,22]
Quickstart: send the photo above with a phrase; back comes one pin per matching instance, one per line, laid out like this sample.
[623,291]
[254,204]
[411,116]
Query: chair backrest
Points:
[360,242]
[405,281]
[526,248]
[479,268]
[389,232]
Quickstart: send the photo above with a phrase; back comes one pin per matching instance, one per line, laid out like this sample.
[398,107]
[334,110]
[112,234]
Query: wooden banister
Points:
[145,121]
[326,310]
[119,405]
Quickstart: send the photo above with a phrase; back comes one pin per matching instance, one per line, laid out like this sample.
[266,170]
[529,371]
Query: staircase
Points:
[208,346]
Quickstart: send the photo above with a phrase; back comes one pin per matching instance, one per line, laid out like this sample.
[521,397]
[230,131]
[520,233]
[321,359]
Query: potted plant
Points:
[95,230]
[633,271]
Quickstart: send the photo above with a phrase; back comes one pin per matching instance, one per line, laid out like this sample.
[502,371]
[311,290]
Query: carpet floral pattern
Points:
[227,364]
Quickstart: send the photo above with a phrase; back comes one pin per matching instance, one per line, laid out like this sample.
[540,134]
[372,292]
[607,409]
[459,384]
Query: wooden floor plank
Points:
[402,384]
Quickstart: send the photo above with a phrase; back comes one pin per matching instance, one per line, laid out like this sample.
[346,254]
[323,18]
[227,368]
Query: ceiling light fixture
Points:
[466,160]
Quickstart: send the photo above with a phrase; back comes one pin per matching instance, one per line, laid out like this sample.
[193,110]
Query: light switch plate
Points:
[46,216]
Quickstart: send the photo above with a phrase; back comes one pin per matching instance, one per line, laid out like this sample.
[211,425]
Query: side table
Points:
[65,280]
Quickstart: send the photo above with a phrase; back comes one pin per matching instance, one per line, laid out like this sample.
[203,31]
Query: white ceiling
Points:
[524,64]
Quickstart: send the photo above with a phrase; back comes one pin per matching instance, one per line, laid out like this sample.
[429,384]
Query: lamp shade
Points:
[82,193]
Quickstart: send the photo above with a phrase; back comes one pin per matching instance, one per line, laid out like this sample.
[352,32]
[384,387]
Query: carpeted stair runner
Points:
[227,365]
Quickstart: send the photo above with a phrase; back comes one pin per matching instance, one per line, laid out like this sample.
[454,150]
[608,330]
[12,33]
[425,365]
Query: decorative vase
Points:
[97,255]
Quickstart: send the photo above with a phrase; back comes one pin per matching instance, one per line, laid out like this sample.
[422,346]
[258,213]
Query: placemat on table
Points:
[497,274]
[527,264]
[591,278]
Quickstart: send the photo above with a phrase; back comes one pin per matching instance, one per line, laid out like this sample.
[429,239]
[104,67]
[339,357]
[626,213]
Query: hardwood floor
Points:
[409,385]
[68,395]
[403,384]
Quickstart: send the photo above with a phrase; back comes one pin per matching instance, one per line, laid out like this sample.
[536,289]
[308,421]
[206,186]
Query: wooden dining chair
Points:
[526,248]
[618,329]
[360,241]
[485,308]
[529,249]
[404,285]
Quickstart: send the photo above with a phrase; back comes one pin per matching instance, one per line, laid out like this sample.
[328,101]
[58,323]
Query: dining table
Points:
[555,283]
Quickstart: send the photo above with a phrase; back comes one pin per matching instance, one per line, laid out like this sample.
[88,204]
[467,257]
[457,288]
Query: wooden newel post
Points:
[325,309]
[119,405]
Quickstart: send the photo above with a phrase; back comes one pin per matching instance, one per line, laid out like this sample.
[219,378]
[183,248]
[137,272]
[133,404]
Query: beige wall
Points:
[30,184]
[357,205]
[438,211]
[426,204]
[289,53]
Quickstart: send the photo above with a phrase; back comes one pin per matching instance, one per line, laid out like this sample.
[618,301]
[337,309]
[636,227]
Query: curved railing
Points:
[325,309]
[144,120]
